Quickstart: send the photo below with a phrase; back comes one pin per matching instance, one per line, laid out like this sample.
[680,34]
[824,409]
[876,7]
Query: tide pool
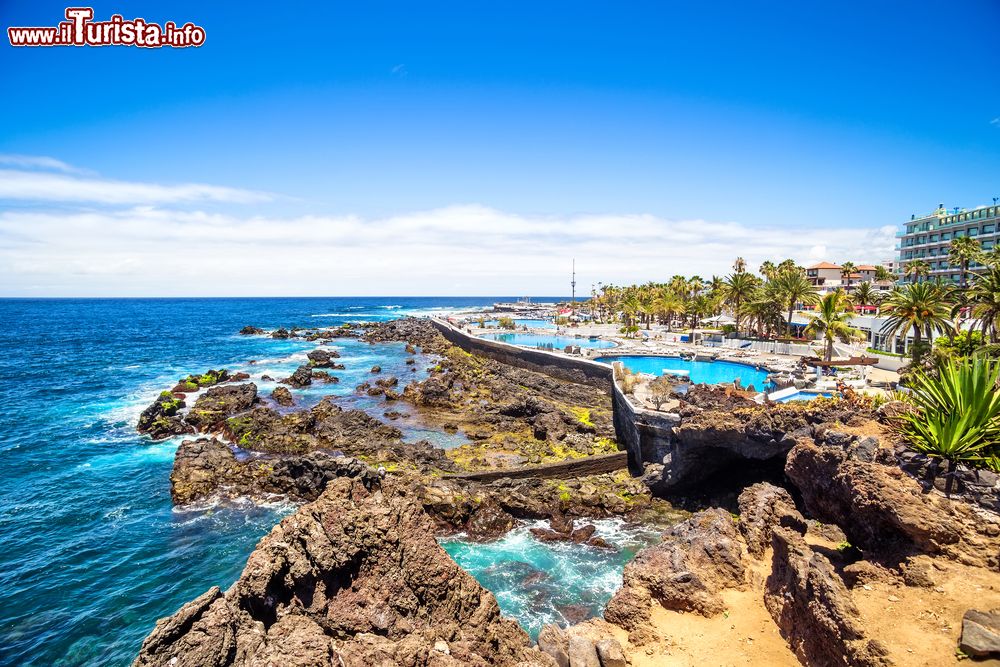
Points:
[699,372]
[539,582]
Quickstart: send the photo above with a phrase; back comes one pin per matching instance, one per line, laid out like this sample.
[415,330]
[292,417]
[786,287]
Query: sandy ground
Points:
[921,626]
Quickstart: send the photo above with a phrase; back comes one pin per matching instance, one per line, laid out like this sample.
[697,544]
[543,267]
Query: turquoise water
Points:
[544,340]
[92,550]
[804,396]
[531,324]
[551,582]
[700,372]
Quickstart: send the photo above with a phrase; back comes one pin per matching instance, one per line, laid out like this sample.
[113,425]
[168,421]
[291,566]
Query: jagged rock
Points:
[552,641]
[582,653]
[322,358]
[323,376]
[696,560]
[884,511]
[219,403]
[251,331]
[162,419]
[280,333]
[980,634]
[376,369]
[610,653]
[489,521]
[354,578]
[390,381]
[814,610]
[302,377]
[282,397]
[762,507]
[629,608]
[204,468]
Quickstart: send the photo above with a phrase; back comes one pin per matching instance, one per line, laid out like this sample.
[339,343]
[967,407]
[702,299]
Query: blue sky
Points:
[796,128]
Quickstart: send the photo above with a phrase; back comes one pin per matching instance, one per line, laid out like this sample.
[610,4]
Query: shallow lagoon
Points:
[548,341]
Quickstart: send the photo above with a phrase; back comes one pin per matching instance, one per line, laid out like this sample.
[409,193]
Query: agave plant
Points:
[958,413]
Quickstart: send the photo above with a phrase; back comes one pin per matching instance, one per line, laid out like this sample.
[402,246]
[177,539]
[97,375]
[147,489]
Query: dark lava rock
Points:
[322,358]
[251,331]
[219,403]
[813,608]
[204,468]
[376,369]
[390,381]
[282,397]
[762,507]
[489,521]
[323,376]
[280,333]
[686,572]
[162,418]
[354,578]
[302,377]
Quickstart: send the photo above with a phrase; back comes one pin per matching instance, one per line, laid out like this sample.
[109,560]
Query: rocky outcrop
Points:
[763,507]
[251,331]
[697,559]
[219,403]
[282,397]
[302,377]
[163,418]
[884,511]
[813,609]
[206,468]
[323,358]
[354,578]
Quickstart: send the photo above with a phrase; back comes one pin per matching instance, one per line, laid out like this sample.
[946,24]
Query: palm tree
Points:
[865,295]
[768,269]
[831,320]
[738,290]
[883,274]
[847,269]
[918,268]
[963,251]
[792,287]
[921,307]
[984,297]
[739,265]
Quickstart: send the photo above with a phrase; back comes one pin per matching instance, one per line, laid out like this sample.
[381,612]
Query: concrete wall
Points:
[644,434]
[564,367]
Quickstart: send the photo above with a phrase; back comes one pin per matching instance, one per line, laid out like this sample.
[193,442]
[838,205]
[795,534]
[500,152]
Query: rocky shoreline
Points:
[356,576]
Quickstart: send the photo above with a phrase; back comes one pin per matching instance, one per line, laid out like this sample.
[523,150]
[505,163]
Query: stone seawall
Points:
[571,369]
[643,434]
[590,465]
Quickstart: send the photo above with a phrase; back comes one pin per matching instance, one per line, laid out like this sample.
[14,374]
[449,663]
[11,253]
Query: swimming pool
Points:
[531,324]
[548,341]
[804,396]
[700,372]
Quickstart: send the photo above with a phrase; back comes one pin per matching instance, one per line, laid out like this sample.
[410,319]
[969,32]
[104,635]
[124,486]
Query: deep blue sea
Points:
[92,550]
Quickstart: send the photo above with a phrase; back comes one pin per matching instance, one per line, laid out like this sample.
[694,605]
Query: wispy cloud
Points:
[37,162]
[451,250]
[995,122]
[69,185]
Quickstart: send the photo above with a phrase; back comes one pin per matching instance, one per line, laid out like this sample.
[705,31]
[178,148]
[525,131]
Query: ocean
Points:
[93,550]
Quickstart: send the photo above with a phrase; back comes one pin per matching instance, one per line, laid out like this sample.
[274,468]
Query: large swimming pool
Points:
[531,324]
[700,372]
[548,341]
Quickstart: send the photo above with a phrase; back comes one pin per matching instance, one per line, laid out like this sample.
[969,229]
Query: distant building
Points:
[823,273]
[827,277]
[929,237]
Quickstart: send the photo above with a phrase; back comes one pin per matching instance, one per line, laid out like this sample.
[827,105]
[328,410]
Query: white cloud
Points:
[452,250]
[71,186]
[995,121]
[36,162]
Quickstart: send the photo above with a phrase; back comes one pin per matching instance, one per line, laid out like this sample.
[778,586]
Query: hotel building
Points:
[928,237]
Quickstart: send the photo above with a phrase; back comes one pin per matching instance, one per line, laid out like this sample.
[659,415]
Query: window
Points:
[988,229]
[987,245]
[946,236]
[974,231]
[934,237]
